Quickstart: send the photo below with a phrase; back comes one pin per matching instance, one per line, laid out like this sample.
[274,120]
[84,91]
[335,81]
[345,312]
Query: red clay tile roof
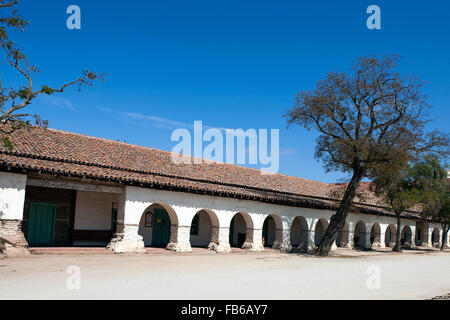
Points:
[70,154]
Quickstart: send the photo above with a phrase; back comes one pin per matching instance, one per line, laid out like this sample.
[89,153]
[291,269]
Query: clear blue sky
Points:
[234,64]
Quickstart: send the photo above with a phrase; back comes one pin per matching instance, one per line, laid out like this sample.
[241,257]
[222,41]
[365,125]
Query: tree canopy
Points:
[372,115]
[430,178]
[14,99]
[369,119]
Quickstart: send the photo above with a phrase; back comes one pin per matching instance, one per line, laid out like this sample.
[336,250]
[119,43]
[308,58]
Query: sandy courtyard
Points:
[205,275]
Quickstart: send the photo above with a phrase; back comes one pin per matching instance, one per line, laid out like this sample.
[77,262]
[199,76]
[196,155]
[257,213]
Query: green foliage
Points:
[47,90]
[14,99]
[424,182]
[8,143]
[430,178]
[395,187]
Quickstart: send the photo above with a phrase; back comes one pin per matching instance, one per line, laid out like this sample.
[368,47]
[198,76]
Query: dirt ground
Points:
[348,274]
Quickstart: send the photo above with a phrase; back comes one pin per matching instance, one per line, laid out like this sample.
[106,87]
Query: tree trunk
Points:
[444,237]
[337,220]
[397,247]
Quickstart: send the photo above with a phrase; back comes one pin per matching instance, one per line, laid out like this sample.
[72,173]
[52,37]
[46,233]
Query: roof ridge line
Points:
[170,152]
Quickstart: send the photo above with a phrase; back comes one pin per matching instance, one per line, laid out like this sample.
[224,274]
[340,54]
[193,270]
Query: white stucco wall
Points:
[93,210]
[145,232]
[12,195]
[186,205]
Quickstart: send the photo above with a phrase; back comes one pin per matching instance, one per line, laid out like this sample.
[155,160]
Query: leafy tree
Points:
[430,178]
[396,191]
[368,117]
[14,100]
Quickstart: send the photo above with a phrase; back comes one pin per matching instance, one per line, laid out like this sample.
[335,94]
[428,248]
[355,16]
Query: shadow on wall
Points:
[4,208]
[4,242]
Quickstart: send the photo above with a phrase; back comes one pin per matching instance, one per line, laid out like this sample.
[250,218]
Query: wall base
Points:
[12,239]
[285,247]
[123,242]
[179,247]
[221,247]
[252,246]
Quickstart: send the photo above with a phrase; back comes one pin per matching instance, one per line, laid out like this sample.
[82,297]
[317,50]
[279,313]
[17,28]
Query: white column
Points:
[366,236]
[126,239]
[351,235]
[310,245]
[12,200]
[382,243]
[285,240]
[413,237]
[179,239]
[220,239]
[366,243]
[351,242]
[253,240]
[427,233]
[282,241]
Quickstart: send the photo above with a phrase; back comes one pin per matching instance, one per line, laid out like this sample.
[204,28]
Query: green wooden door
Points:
[41,224]
[161,228]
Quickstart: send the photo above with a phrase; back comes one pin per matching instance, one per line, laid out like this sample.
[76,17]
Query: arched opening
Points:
[375,232]
[435,237]
[342,237]
[419,236]
[299,233]
[272,230]
[359,235]
[390,235]
[406,236]
[319,231]
[204,226]
[238,229]
[158,225]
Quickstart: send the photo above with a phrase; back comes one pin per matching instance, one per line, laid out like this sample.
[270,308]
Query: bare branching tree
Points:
[14,100]
[369,118]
